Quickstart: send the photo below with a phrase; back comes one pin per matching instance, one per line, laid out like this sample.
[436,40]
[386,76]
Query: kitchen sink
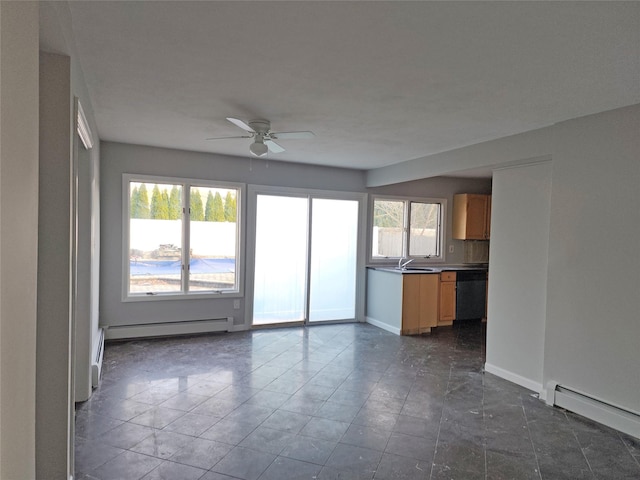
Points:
[419,269]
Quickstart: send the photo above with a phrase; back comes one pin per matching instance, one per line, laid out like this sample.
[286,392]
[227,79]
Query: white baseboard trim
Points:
[238,328]
[96,366]
[122,332]
[382,325]
[599,411]
[513,377]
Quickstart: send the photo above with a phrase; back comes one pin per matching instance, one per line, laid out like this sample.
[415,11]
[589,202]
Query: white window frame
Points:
[186,184]
[418,259]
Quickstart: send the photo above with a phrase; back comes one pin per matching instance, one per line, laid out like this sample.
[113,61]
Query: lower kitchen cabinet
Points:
[419,303]
[411,303]
[447,312]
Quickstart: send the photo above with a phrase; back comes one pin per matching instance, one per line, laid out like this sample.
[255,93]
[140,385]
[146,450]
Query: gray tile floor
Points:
[330,402]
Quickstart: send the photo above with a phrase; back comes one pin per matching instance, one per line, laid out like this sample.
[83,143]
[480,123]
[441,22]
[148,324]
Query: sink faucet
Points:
[404,265]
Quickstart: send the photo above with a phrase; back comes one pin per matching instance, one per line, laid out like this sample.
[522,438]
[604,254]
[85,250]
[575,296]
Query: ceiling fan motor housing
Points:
[260,126]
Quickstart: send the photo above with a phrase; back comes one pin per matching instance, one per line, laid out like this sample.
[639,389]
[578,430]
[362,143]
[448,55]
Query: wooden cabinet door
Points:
[447,312]
[471,216]
[447,303]
[487,228]
[410,304]
[429,287]
[420,295]
[476,217]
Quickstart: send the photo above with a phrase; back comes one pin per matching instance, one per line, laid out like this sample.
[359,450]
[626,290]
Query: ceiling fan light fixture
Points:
[258,148]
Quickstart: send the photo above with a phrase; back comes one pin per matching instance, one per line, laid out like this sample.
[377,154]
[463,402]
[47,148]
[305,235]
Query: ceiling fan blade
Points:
[225,138]
[292,135]
[241,124]
[273,146]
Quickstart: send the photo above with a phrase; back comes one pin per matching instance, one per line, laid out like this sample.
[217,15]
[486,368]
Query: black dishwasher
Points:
[471,291]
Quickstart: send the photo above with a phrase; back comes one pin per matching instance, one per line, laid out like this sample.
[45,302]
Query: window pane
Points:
[155,238]
[334,247]
[424,222]
[213,239]
[388,221]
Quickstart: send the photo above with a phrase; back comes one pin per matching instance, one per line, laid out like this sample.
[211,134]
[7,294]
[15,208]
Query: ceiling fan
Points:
[263,137]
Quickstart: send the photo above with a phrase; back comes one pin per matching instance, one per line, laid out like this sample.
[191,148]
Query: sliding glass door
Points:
[306,255]
[334,248]
[279,293]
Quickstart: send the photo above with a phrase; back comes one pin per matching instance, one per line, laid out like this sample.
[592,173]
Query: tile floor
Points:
[346,401]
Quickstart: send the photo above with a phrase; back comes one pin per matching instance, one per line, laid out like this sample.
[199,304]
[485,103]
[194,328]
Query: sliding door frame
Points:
[252,195]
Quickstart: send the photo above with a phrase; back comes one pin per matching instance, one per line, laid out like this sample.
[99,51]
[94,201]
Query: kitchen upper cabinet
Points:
[447,298]
[471,216]
[419,303]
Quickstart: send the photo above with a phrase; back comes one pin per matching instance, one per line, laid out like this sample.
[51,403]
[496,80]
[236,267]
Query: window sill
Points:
[157,297]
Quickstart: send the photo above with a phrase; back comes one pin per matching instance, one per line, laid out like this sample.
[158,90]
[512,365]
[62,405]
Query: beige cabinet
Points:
[471,216]
[419,303]
[447,313]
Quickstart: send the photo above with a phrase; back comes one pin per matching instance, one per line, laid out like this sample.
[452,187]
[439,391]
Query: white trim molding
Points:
[600,411]
[123,332]
[382,325]
[514,378]
[84,132]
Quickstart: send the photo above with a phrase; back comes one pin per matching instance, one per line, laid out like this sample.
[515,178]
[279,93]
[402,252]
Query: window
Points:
[404,227]
[172,249]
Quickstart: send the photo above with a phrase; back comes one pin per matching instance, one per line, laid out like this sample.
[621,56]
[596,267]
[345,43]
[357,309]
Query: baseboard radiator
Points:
[613,416]
[96,365]
[122,332]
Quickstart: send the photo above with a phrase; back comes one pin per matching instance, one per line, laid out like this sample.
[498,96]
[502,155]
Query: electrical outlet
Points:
[236,304]
[450,248]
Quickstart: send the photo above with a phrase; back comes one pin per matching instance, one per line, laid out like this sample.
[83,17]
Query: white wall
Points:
[592,336]
[518,273]
[18,236]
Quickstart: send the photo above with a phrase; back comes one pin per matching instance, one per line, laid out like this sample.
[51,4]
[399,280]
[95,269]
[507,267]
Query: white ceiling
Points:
[378,82]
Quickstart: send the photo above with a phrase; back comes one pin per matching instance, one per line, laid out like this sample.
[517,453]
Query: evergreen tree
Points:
[159,204]
[156,201]
[133,203]
[218,208]
[165,204]
[197,211]
[230,208]
[208,209]
[143,202]
[175,203]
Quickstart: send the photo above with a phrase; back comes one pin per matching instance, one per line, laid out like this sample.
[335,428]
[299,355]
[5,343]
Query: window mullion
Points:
[186,235]
[406,229]
[439,243]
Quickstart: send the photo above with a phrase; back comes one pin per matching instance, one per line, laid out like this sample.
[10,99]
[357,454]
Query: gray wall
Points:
[518,284]
[592,296]
[511,150]
[19,236]
[56,36]
[54,394]
[593,321]
[440,187]
[117,159]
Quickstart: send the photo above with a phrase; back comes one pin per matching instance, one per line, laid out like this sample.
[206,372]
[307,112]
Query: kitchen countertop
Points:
[431,268]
